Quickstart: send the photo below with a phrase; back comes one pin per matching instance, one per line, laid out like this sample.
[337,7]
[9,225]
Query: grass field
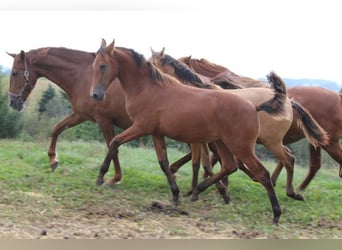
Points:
[35,203]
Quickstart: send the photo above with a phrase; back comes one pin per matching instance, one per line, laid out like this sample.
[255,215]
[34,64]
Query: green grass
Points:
[31,192]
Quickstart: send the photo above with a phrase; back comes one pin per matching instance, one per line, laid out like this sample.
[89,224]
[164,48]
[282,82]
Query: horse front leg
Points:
[107,130]
[68,122]
[129,134]
[160,147]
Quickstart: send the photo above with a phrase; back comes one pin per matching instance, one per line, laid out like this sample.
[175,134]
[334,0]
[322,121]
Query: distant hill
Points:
[334,86]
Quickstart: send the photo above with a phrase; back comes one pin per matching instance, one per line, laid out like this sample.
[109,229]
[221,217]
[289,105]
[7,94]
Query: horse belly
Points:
[189,127]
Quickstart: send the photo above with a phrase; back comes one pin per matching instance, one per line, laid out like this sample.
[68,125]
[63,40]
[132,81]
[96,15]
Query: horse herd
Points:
[193,101]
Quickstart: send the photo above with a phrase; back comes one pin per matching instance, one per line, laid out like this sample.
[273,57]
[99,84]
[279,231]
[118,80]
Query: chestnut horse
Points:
[324,105]
[161,106]
[272,131]
[71,71]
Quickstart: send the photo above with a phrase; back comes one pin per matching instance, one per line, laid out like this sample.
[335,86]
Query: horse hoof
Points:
[295,196]
[112,182]
[276,221]
[187,194]
[54,165]
[226,199]
[194,197]
[99,182]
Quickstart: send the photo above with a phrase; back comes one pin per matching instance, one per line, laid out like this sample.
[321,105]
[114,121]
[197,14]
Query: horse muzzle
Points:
[16,102]
[98,93]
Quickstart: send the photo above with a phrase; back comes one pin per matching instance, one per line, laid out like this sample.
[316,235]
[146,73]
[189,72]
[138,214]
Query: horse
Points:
[272,130]
[328,115]
[71,71]
[160,105]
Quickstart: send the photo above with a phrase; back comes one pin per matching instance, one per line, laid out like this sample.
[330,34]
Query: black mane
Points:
[140,60]
[181,70]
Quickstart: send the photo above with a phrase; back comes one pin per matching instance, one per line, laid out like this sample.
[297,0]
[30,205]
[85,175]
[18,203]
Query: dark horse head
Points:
[22,81]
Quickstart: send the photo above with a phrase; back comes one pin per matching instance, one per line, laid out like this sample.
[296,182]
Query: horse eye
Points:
[15,74]
[103,67]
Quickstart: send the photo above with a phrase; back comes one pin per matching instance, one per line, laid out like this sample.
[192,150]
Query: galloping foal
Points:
[153,99]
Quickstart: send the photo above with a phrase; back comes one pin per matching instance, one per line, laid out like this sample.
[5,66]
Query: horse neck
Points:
[65,72]
[132,77]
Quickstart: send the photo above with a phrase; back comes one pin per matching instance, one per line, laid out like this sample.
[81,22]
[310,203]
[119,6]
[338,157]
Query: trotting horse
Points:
[272,130]
[323,104]
[161,106]
[71,70]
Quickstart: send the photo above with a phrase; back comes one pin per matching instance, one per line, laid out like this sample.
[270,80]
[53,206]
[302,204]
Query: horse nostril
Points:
[95,96]
[11,103]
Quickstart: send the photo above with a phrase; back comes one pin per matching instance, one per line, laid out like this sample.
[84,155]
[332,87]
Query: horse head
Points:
[105,70]
[22,80]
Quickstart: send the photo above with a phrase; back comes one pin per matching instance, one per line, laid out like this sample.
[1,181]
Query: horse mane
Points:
[181,70]
[221,75]
[70,55]
[204,66]
[155,74]
[185,74]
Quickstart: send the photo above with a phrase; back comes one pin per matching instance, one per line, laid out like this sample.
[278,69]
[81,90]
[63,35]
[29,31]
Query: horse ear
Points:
[111,46]
[22,55]
[103,44]
[162,52]
[11,54]
[153,52]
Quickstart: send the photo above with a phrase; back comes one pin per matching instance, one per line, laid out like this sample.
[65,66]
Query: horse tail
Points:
[313,132]
[275,106]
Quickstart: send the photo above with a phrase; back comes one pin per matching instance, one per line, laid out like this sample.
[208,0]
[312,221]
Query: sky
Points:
[295,38]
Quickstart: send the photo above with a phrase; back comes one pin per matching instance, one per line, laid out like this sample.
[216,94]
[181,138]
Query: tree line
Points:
[53,106]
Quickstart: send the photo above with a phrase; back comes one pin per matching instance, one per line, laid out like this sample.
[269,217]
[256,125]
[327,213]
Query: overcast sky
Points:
[295,38]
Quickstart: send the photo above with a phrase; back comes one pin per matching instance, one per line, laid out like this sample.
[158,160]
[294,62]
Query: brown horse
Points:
[272,131]
[160,106]
[328,115]
[71,70]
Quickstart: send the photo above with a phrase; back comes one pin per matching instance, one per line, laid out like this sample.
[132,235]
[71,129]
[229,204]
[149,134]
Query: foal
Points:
[160,106]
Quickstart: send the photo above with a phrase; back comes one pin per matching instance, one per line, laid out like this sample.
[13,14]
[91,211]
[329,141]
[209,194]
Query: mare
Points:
[324,105]
[71,70]
[272,130]
[152,101]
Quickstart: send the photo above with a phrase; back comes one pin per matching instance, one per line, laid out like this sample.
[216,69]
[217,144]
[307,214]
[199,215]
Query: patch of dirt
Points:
[156,221]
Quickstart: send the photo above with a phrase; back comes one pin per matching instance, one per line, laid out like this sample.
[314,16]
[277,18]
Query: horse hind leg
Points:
[195,158]
[333,149]
[314,166]
[228,166]
[260,173]
[287,159]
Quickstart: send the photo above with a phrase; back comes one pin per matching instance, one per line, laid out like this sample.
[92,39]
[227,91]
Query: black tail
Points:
[275,106]
[314,133]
